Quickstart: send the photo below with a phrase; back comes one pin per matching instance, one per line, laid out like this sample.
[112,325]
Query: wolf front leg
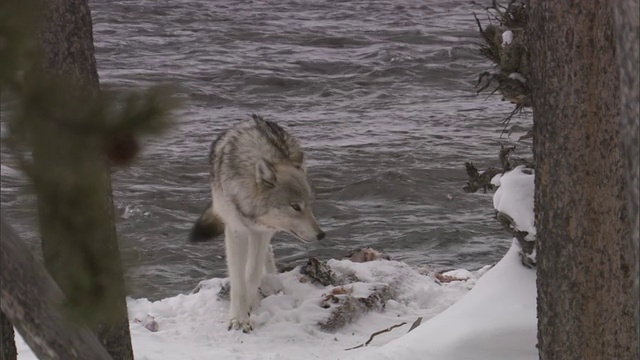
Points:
[258,251]
[236,248]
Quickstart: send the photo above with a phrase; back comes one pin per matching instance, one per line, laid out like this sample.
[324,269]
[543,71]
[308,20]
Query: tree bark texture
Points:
[31,300]
[8,351]
[585,301]
[627,40]
[7,336]
[73,185]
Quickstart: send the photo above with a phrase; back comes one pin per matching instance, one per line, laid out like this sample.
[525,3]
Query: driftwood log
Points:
[33,303]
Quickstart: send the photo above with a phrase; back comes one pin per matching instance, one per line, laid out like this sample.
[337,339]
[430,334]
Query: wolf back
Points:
[280,146]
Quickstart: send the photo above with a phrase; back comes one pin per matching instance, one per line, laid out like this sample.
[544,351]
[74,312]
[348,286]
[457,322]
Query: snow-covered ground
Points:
[491,315]
[496,320]
[194,326]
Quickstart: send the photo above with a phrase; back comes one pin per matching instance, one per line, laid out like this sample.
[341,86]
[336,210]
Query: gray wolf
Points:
[259,186]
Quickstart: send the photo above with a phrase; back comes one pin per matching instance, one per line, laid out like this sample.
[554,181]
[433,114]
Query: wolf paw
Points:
[245,325]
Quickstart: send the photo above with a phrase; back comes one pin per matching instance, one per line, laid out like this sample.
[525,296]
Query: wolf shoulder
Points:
[255,139]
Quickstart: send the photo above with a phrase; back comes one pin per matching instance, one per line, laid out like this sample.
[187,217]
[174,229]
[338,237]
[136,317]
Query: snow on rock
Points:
[507,37]
[496,320]
[514,197]
[194,326]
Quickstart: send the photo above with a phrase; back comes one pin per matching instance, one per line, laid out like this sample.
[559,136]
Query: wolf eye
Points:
[296,207]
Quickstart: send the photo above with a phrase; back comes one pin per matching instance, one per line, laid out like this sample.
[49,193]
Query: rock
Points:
[366,254]
[148,321]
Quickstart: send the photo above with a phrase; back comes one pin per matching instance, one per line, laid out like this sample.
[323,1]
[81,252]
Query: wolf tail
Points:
[208,226]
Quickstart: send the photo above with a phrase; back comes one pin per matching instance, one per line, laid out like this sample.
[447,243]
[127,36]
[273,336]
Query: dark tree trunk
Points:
[585,305]
[73,184]
[627,39]
[8,344]
[7,341]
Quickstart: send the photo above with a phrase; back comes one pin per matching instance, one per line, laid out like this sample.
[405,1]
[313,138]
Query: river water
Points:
[380,94]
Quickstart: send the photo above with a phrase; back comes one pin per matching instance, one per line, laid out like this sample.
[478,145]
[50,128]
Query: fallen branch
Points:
[32,301]
[376,334]
[415,324]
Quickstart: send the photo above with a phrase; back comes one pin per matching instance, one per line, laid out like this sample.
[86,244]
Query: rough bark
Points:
[8,344]
[31,300]
[627,40]
[585,306]
[73,184]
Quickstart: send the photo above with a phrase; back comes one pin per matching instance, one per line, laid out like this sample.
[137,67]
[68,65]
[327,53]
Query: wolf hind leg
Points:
[258,249]
[236,250]
[270,262]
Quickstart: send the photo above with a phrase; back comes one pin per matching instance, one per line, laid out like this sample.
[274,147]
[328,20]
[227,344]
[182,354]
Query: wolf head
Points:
[285,188]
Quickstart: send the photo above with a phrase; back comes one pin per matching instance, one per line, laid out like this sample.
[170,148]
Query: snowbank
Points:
[194,326]
[495,320]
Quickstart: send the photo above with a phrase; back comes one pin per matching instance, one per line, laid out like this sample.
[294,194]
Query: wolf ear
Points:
[265,174]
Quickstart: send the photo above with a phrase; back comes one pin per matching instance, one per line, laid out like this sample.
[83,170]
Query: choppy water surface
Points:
[380,94]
